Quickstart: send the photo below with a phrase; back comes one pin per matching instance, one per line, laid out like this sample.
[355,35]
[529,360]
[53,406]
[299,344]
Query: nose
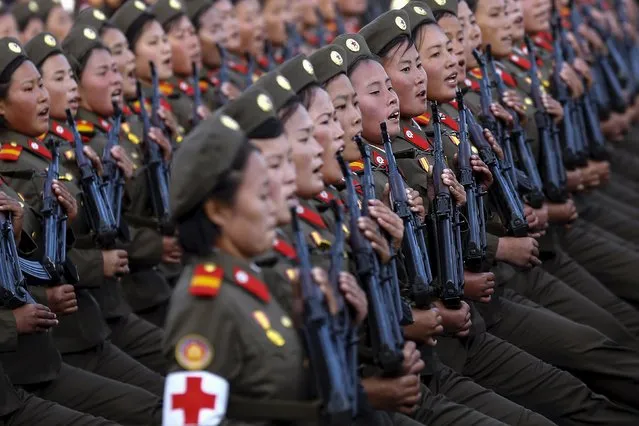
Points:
[43,95]
[357,117]
[116,79]
[451,60]
[421,77]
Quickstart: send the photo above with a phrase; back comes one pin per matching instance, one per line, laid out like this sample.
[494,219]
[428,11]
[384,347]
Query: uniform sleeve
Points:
[492,242]
[8,331]
[90,266]
[145,247]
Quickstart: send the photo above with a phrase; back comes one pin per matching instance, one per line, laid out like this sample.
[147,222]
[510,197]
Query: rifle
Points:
[323,348]
[94,199]
[475,248]
[535,197]
[445,218]
[13,288]
[413,243]
[222,75]
[112,177]
[386,334]
[197,94]
[157,170]
[552,165]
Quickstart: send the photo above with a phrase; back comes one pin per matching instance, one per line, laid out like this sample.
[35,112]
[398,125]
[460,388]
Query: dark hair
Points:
[288,109]
[472,5]
[397,41]
[196,232]
[82,61]
[327,82]
[168,25]
[135,30]
[439,14]
[5,81]
[307,94]
[198,15]
[352,67]
[415,33]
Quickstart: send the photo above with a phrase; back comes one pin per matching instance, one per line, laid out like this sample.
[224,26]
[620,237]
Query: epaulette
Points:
[472,84]
[326,197]
[541,41]
[449,121]
[10,151]
[416,139]
[252,284]
[237,67]
[39,149]
[284,248]
[127,111]
[520,61]
[206,280]
[167,89]
[378,160]
[423,119]
[506,77]
[356,166]
[311,217]
[61,131]
[475,72]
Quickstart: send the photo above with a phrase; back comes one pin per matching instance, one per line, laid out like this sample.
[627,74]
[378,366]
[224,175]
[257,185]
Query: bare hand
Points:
[34,318]
[171,250]
[570,77]
[456,189]
[388,221]
[562,213]
[123,161]
[157,136]
[66,200]
[482,172]
[455,321]
[169,120]
[574,180]
[514,101]
[11,205]
[552,107]
[522,252]
[94,158]
[427,324]
[413,363]
[61,299]
[479,286]
[416,204]
[501,114]
[378,242]
[115,263]
[354,295]
[393,394]
[490,138]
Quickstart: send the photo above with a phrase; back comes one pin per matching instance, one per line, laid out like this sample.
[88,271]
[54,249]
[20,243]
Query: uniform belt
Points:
[248,409]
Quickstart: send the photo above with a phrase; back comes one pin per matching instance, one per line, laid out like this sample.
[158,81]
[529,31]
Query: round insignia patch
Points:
[275,337]
[229,122]
[336,58]
[34,145]
[33,6]
[183,85]
[323,194]
[440,2]
[241,277]
[528,80]
[352,45]
[97,14]
[283,82]
[14,47]
[134,155]
[300,210]
[262,319]
[286,322]
[193,352]
[49,40]
[139,5]
[308,67]
[264,102]
[528,101]
[379,159]
[175,4]
[420,10]
[401,24]
[409,134]
[89,33]
[59,129]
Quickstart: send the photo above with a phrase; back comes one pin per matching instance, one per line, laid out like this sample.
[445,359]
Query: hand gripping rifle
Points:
[112,177]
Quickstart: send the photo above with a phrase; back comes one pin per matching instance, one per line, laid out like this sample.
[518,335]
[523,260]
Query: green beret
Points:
[449,6]
[418,14]
[384,29]
[328,62]
[40,47]
[355,47]
[10,53]
[45,7]
[93,18]
[278,86]
[205,154]
[252,109]
[24,12]
[194,8]
[78,45]
[299,71]
[167,10]
[130,19]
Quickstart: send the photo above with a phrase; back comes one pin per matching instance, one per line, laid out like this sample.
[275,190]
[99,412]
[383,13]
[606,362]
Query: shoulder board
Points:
[520,61]
[423,119]
[475,72]
[416,139]
[312,38]
[39,149]
[126,110]
[61,131]
[378,159]
[252,284]
[237,67]
[356,166]
[326,197]
[206,280]
[166,88]
[507,78]
[540,41]
[453,103]
[165,104]
[449,121]
[472,84]
[186,87]
[311,217]
[263,62]
[86,129]
[10,151]
[284,248]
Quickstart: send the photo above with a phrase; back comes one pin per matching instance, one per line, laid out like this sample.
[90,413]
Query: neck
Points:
[225,245]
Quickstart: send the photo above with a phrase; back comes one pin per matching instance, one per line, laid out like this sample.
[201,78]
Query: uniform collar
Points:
[103,124]
[30,144]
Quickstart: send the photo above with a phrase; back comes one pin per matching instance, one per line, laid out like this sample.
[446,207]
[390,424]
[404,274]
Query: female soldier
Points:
[56,19]
[8,24]
[24,108]
[29,22]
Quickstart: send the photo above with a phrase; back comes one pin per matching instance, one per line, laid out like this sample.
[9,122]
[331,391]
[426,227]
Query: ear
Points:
[217,212]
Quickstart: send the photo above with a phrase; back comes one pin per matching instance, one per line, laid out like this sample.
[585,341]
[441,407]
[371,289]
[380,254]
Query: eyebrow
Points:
[374,83]
[341,98]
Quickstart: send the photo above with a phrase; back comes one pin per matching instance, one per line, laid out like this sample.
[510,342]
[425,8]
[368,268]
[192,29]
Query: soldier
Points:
[56,19]
[8,23]
[29,22]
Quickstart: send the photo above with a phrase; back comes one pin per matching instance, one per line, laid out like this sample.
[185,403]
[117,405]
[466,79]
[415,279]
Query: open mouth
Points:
[451,80]
[394,116]
[421,94]
[44,113]
[167,62]
[74,102]
[462,63]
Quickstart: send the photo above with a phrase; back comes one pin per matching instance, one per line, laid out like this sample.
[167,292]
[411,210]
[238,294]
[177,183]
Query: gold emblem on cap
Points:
[175,4]
[420,10]
[308,67]
[229,122]
[14,47]
[336,58]
[49,40]
[89,33]
[440,2]
[33,6]
[352,45]
[139,5]
[401,24]
[283,82]
[264,102]
[97,14]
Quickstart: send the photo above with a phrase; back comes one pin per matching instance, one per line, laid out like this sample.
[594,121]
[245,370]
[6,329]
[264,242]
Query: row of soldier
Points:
[232,211]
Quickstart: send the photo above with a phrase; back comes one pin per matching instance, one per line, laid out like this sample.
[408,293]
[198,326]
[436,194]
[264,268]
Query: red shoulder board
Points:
[327,197]
[186,88]
[241,68]
[10,151]
[542,42]
[311,39]
[311,217]
[356,166]
[166,88]
[284,248]
[416,139]
[423,119]
[449,121]
[39,149]
[165,104]
[378,159]
[263,62]
[126,110]
[61,131]
[507,78]
[206,280]
[520,61]
[476,72]
[251,284]
[454,104]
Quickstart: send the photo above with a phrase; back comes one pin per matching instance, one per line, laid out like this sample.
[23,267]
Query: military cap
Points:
[355,47]
[11,53]
[24,12]
[328,62]
[45,7]
[253,109]
[166,11]
[384,29]
[93,18]
[194,8]
[40,47]
[130,19]
[419,14]
[436,6]
[204,156]
[79,43]
[278,87]
[299,71]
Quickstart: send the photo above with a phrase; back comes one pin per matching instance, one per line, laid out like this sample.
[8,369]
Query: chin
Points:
[284,217]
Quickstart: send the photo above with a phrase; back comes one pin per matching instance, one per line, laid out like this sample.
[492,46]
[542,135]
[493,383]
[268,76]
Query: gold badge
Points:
[14,47]
[70,155]
[352,45]
[286,322]
[49,40]
[175,4]
[420,10]
[283,82]
[291,274]
[33,6]
[336,58]
[440,2]
[139,5]
[193,352]
[262,319]
[264,102]
[275,337]
[89,33]
[229,122]
[308,67]
[528,101]
[424,163]
[401,24]
[97,14]
[319,241]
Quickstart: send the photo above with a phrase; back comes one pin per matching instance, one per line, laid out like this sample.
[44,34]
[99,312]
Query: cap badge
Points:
[229,122]
[440,2]
[97,14]
[175,4]
[352,45]
[308,67]
[283,82]
[14,47]
[139,5]
[336,58]
[401,24]
[264,102]
[33,6]
[420,10]
[49,40]
[89,33]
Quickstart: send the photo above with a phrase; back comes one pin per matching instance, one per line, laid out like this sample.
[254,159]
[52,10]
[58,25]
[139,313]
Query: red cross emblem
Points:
[193,400]
[194,397]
